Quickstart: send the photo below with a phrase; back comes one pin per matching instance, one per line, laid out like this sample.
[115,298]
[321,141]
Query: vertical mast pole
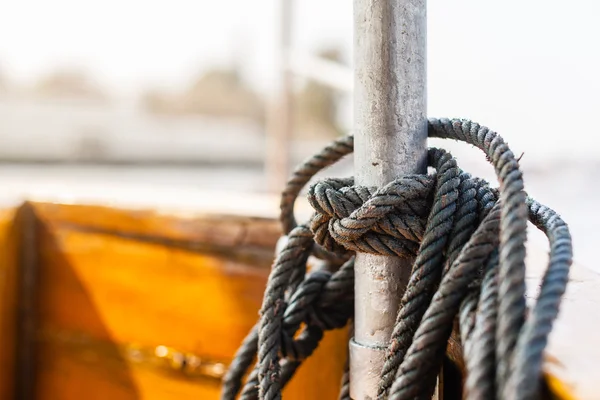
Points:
[279,112]
[390,127]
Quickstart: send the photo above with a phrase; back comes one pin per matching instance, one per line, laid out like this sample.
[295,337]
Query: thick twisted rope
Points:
[469,244]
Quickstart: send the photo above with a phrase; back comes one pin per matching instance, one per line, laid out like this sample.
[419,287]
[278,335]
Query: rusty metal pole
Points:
[390,128]
[279,112]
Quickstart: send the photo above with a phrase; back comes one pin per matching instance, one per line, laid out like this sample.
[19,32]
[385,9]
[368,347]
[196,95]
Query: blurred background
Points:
[193,94]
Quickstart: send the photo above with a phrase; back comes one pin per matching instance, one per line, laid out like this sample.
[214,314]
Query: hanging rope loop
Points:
[468,244]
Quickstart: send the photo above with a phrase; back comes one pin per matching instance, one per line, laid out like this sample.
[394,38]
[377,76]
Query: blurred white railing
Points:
[324,71]
[279,112]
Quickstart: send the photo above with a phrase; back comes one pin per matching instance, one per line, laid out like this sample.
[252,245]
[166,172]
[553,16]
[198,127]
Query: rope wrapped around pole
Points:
[469,243]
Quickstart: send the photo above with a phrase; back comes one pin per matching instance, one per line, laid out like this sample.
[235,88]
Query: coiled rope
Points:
[469,244]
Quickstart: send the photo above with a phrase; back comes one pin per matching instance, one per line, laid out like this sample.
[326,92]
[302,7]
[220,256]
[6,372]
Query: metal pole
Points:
[279,113]
[390,141]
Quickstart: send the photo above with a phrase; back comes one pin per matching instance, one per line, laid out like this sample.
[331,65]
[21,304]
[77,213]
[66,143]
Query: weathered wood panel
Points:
[123,297]
[202,230]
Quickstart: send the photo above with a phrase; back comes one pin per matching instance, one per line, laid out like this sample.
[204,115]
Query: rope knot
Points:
[386,221]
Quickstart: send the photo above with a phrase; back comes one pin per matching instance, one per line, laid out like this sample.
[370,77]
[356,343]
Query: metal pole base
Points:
[365,370]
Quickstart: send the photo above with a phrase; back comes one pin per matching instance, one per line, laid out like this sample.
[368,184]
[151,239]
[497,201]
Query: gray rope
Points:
[414,378]
[330,309]
[426,272]
[469,244]
[479,349]
[511,274]
[242,360]
[534,335]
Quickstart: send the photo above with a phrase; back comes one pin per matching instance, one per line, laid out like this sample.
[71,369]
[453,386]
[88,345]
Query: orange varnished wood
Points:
[67,376]
[106,282]
[8,301]
[70,375]
[120,289]
[201,228]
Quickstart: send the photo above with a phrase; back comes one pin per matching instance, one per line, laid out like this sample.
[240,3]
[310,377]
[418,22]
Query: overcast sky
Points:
[130,43]
[527,67]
